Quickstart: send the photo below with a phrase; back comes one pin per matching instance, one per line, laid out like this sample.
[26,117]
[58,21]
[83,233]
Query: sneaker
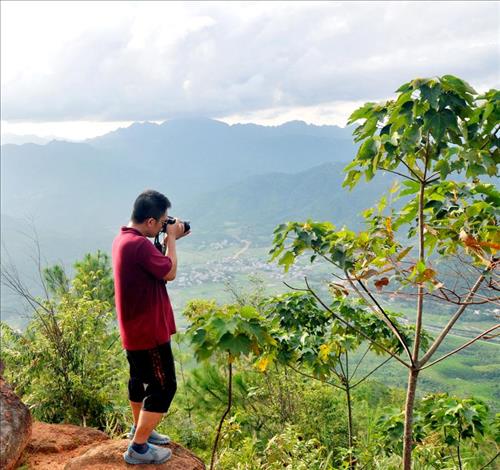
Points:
[154,438]
[154,455]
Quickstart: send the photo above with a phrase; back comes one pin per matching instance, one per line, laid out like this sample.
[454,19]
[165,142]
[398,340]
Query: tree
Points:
[438,136]
[230,330]
[323,342]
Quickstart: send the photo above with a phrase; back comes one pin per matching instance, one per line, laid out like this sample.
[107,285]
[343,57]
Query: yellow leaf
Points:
[262,363]
[324,351]
[388,225]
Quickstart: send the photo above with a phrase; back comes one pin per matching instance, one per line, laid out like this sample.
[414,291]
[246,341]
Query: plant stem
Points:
[228,409]
[181,364]
[349,424]
[421,259]
[414,370]
[410,401]
[458,453]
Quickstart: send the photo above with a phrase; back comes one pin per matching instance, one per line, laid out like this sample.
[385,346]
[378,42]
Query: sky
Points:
[80,69]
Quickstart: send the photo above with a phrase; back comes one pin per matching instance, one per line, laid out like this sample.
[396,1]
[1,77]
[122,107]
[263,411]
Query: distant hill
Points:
[190,156]
[23,139]
[258,203]
[94,183]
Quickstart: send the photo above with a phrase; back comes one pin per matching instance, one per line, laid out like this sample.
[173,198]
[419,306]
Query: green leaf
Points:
[236,345]
[438,123]
[443,167]
[458,85]
[287,260]
[199,336]
[364,112]
[431,94]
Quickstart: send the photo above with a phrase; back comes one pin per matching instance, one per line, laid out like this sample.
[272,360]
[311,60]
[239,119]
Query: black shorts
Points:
[152,377]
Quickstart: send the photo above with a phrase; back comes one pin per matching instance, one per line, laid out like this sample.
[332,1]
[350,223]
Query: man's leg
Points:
[136,410]
[146,423]
[159,392]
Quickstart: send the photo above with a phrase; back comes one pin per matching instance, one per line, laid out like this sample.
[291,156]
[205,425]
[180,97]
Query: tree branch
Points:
[372,372]
[491,461]
[386,318]
[399,159]
[453,319]
[309,376]
[421,258]
[360,361]
[397,173]
[353,328]
[484,333]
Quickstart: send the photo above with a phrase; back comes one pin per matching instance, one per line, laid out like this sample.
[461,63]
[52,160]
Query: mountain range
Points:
[253,177]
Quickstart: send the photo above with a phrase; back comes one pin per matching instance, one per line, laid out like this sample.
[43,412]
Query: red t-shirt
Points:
[145,315]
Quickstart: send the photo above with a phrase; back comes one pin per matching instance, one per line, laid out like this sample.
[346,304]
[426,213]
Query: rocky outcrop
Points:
[108,456]
[68,447]
[15,429]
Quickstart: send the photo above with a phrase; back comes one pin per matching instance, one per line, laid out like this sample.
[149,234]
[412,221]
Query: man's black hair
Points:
[148,204]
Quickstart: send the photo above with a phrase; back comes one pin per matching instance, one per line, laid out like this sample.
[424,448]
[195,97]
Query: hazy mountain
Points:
[190,156]
[248,210]
[94,183]
[24,139]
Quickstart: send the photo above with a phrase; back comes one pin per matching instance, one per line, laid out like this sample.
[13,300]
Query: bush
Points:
[68,365]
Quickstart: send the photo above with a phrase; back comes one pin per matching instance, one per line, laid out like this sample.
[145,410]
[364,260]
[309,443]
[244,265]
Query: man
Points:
[146,321]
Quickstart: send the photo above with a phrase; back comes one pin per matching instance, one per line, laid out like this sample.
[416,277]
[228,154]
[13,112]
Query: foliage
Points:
[233,329]
[286,450]
[311,335]
[68,364]
[442,121]
[443,426]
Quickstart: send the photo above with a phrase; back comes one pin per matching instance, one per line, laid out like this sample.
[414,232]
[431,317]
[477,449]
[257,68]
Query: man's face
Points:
[155,225]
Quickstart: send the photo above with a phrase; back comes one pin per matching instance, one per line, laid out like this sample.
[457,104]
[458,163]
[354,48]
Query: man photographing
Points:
[146,320]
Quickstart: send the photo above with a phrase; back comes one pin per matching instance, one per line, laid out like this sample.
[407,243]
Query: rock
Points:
[53,445]
[108,456]
[57,438]
[69,447]
[15,430]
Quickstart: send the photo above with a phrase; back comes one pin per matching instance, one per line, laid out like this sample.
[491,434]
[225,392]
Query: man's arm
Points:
[174,232]
[172,254]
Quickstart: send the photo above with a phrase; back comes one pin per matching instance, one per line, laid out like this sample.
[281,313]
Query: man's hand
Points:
[176,230]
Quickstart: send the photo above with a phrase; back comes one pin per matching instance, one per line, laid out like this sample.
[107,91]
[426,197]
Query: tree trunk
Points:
[410,401]
[349,425]
[229,401]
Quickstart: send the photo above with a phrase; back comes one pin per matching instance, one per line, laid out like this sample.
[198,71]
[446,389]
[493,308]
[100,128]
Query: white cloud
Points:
[125,61]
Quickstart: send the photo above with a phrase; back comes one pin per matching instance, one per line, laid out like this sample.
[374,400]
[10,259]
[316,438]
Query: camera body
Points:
[171,220]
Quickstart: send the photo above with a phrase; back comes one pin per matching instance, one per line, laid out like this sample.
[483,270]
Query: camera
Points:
[171,220]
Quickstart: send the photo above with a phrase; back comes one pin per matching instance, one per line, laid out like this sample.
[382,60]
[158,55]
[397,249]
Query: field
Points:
[474,371]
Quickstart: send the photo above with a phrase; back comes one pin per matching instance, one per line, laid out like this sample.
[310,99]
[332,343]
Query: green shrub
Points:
[68,365]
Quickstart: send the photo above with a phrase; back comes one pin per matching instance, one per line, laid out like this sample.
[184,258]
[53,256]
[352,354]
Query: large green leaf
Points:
[236,345]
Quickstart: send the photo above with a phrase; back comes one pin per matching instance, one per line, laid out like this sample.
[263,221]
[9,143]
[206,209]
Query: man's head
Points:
[150,212]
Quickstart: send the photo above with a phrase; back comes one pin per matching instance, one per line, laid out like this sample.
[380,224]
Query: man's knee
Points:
[158,399]
[136,391]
